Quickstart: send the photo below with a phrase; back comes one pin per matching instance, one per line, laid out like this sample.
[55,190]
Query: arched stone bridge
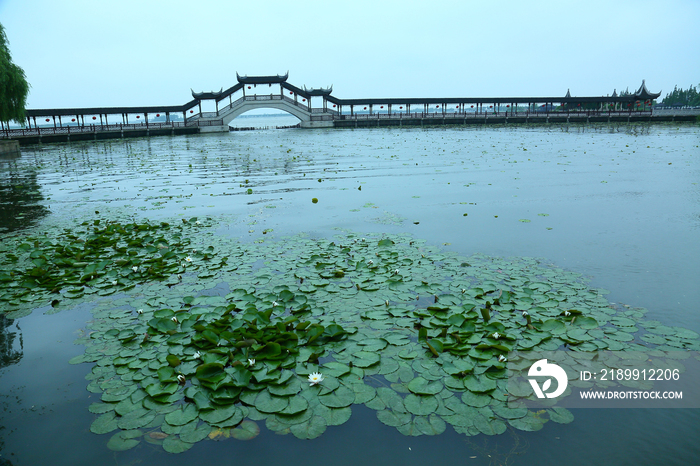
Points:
[310,117]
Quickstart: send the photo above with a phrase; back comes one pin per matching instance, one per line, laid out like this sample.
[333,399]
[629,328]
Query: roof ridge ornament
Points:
[568,94]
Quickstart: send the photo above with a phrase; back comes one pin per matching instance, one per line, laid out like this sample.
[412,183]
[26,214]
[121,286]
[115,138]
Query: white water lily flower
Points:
[135,268]
[174,319]
[502,358]
[274,303]
[315,378]
[567,313]
[525,314]
[197,355]
[188,259]
[114,282]
[496,335]
[363,239]
[251,362]
[464,290]
[181,378]
[139,311]
[370,262]
[396,272]
[198,222]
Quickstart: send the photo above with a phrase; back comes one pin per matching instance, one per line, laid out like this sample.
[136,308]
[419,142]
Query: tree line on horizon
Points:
[680,97]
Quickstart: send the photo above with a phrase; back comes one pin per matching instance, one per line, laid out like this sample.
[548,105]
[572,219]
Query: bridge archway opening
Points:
[264,118]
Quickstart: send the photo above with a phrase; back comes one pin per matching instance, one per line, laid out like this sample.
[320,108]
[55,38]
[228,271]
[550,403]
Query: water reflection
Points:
[20,194]
[498,451]
[9,351]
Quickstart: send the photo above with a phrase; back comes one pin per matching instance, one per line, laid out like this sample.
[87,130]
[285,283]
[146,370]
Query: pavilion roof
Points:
[643,94]
[262,79]
[207,95]
[318,91]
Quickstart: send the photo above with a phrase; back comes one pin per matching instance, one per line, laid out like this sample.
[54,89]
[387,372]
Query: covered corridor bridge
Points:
[251,92]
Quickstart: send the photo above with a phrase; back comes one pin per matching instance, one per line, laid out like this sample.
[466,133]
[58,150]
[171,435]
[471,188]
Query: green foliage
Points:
[683,97]
[176,362]
[13,85]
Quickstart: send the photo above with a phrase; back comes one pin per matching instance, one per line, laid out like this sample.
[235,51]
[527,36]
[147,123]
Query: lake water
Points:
[618,204]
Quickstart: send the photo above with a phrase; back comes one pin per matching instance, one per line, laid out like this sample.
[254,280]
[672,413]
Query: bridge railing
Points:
[231,105]
[302,106]
[75,129]
[263,97]
[492,114]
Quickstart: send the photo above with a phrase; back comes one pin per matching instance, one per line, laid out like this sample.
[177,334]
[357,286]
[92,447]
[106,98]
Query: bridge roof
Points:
[319,91]
[643,94]
[262,79]
[476,100]
[207,95]
[110,110]
[296,90]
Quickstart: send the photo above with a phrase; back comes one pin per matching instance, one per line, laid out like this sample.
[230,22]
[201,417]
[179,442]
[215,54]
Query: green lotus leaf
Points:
[173,444]
[182,416]
[529,423]
[135,419]
[247,430]
[124,440]
[335,369]
[479,383]
[105,423]
[194,432]
[421,386]
[218,414]
[393,418]
[268,403]
[101,408]
[560,415]
[477,400]
[489,426]
[430,425]
[339,398]
[310,429]
[420,405]
[159,389]
[297,404]
[365,359]
[586,322]
[211,372]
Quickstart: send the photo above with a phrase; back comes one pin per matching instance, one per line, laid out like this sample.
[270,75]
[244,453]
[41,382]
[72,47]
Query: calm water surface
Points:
[622,207]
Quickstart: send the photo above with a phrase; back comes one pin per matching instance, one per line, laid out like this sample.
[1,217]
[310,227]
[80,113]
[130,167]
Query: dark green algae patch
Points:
[196,336]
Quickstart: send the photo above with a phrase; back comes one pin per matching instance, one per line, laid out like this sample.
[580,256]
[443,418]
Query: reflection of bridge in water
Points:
[47,125]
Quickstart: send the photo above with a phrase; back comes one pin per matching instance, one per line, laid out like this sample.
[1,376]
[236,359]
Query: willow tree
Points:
[13,85]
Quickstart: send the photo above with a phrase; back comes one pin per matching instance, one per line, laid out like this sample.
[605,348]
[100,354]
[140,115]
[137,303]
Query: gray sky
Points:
[83,53]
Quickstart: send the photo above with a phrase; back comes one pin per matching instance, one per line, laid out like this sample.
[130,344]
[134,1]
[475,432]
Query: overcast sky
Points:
[84,53]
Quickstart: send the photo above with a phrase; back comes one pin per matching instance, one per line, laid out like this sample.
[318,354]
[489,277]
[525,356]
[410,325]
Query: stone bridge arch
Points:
[278,104]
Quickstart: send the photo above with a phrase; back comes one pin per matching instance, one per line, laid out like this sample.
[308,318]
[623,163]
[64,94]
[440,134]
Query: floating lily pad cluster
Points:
[98,258]
[401,327]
